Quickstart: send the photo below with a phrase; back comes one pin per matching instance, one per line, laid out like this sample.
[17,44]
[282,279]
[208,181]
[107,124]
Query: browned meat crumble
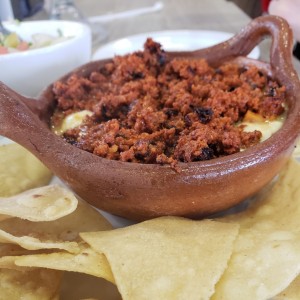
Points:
[149,109]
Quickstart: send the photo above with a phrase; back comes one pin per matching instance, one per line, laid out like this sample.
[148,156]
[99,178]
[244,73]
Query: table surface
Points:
[219,15]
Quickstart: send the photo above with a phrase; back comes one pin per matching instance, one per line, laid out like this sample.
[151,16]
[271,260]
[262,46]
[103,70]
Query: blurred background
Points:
[109,18]
[27,8]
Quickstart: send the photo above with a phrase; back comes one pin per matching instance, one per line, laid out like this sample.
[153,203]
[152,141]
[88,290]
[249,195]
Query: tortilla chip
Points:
[8,254]
[20,170]
[166,258]
[8,262]
[86,261]
[58,234]
[32,243]
[36,284]
[266,255]
[46,203]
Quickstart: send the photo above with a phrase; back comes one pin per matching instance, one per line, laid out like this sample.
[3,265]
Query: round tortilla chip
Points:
[61,234]
[46,203]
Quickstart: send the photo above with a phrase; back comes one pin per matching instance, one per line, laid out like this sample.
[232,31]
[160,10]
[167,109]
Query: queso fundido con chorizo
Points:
[146,108]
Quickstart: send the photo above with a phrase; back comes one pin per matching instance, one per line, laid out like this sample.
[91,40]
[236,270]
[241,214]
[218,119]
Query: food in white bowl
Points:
[12,43]
[28,72]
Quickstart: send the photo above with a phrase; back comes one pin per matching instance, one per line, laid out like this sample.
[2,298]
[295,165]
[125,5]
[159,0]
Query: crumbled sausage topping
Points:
[147,108]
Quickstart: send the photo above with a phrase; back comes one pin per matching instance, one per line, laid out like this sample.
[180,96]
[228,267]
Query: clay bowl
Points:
[140,191]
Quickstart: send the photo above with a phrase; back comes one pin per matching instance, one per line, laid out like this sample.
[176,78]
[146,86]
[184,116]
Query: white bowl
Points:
[28,72]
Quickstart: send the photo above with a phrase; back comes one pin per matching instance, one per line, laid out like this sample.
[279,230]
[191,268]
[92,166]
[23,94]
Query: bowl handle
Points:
[243,42]
[19,118]
[21,121]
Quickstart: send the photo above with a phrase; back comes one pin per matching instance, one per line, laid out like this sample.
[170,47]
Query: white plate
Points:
[178,40]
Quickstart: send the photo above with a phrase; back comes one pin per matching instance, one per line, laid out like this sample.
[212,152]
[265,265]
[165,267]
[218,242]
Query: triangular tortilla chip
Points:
[166,258]
[266,255]
[87,261]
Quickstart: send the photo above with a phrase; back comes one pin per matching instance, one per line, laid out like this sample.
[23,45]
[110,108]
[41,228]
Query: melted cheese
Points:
[71,121]
[267,128]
